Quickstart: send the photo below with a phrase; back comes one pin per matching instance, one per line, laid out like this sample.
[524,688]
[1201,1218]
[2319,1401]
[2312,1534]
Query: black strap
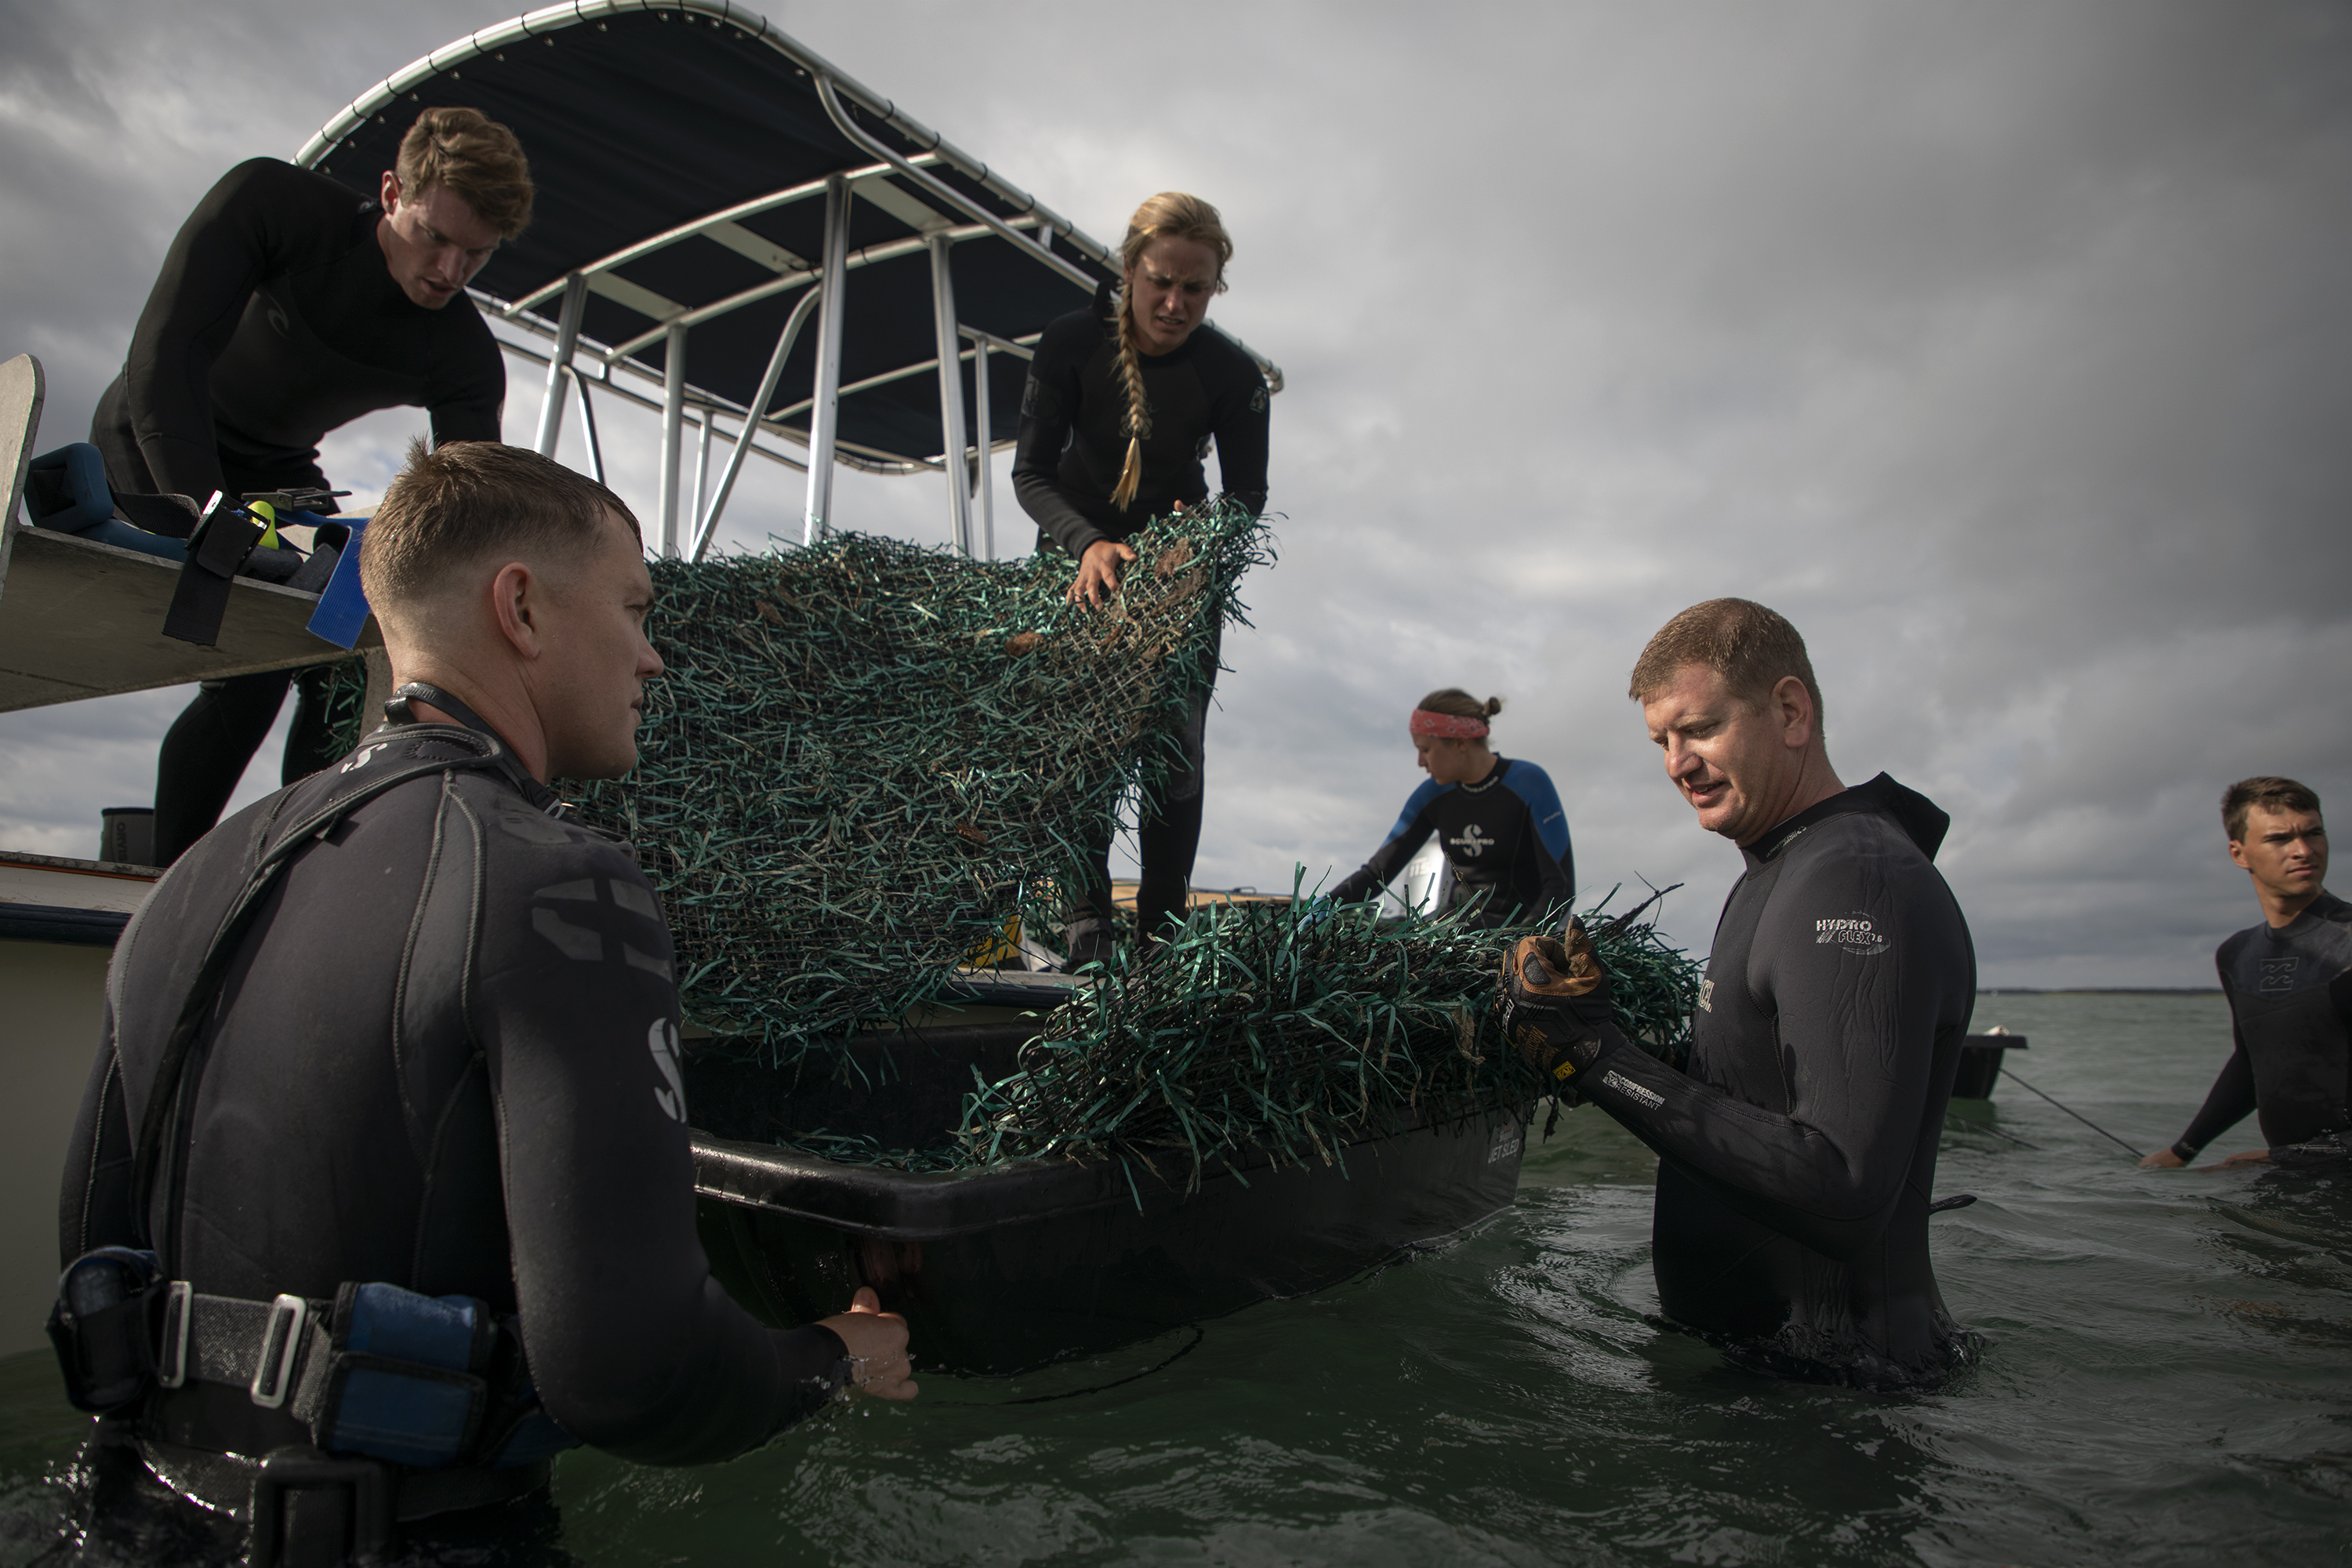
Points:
[397,709]
[165,1094]
[224,1481]
[218,548]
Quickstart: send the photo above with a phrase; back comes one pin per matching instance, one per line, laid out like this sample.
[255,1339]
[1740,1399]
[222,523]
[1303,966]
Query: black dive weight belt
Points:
[379,1372]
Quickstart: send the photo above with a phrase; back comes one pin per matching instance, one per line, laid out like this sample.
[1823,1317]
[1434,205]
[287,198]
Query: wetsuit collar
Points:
[2326,906]
[396,709]
[1922,821]
[1493,776]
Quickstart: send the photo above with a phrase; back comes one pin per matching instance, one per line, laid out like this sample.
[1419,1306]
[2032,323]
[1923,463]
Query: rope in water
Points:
[2079,1117]
[1967,1126]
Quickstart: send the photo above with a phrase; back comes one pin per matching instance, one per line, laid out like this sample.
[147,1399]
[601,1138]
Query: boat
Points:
[797,271]
[1002,1270]
[1979,1067]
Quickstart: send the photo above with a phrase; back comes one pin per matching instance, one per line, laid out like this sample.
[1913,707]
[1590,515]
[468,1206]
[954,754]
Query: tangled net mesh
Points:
[1293,1030]
[867,757]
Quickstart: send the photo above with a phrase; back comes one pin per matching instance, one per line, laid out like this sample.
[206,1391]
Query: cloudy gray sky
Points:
[2004,347]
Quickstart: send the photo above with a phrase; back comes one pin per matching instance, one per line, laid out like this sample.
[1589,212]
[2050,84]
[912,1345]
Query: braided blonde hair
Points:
[1170,215]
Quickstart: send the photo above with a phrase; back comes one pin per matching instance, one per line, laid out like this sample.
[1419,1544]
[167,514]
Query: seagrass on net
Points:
[866,757]
[1291,1031]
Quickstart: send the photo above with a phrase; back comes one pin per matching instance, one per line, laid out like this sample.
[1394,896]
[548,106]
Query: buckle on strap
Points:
[282,1341]
[366,1528]
[171,1360]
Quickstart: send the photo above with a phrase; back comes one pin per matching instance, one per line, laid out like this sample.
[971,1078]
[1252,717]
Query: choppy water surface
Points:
[2165,1381]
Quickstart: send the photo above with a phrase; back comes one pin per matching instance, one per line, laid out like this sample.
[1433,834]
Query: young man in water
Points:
[441,1061]
[1797,1155]
[2289,982]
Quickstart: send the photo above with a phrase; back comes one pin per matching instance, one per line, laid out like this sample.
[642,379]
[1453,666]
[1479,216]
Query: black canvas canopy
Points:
[726,223]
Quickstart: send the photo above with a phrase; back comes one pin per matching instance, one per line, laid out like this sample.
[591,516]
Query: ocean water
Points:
[2164,1381]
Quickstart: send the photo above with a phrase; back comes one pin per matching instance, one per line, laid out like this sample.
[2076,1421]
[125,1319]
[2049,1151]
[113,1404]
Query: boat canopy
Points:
[729,229]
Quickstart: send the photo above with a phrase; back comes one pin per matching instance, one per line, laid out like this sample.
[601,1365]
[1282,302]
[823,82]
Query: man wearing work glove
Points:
[1797,1155]
[1554,999]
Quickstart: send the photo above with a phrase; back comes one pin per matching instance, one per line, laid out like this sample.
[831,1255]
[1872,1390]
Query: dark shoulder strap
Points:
[265,862]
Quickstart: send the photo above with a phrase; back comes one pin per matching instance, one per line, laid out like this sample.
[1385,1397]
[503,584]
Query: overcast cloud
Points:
[2003,347]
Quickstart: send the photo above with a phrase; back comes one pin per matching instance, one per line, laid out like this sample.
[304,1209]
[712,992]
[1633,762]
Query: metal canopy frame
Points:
[640,315]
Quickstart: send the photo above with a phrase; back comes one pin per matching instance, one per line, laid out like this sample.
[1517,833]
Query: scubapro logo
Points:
[1706,995]
[1853,932]
[670,1093]
[1472,842]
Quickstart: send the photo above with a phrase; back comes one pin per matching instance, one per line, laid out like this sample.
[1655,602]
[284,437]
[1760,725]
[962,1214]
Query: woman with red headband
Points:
[1499,821]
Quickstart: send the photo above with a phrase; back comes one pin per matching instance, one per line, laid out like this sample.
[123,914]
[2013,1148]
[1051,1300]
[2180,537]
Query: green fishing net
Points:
[1295,1030]
[866,758]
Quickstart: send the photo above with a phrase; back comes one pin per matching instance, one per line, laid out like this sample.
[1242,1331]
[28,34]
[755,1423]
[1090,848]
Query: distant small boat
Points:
[1980,1062]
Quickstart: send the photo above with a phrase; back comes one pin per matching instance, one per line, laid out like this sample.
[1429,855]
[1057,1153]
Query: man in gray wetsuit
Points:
[2289,982]
[1797,1155]
[438,1062]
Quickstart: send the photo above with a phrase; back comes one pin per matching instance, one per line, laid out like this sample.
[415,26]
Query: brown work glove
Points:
[1554,997]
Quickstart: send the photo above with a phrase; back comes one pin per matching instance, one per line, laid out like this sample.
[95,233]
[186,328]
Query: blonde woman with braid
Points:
[1124,401]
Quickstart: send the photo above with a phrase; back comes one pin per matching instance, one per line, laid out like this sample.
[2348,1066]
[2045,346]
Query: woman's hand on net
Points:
[1098,571]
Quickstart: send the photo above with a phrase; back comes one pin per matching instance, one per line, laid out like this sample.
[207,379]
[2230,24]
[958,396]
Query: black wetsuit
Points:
[1505,839]
[446,1059]
[2289,992]
[275,319]
[1796,1158]
[1071,450]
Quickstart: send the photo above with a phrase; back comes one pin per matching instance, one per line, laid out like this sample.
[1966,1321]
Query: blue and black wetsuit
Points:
[1505,839]
[1072,447]
[1797,1155]
[445,1059]
[2290,991]
[274,319]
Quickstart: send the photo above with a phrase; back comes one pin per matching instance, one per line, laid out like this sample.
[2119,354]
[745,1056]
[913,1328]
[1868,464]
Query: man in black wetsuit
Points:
[2289,982]
[287,308]
[443,1056]
[1797,1155]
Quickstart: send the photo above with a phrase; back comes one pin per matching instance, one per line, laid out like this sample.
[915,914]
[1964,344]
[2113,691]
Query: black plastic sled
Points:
[1006,1269]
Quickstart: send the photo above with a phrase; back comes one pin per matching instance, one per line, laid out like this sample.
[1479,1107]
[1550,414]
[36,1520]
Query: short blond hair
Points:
[475,159]
[1753,649]
[451,507]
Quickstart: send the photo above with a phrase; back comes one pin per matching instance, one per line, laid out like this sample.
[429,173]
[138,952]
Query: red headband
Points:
[1448,726]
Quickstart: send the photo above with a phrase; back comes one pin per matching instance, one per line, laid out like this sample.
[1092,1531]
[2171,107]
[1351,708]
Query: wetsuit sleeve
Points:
[1555,859]
[1239,421]
[471,408]
[1411,831]
[1049,407]
[1857,1030]
[241,233]
[636,1349]
[2231,1100]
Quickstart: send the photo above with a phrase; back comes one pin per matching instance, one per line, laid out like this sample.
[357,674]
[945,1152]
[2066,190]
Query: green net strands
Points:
[1293,1030]
[867,756]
